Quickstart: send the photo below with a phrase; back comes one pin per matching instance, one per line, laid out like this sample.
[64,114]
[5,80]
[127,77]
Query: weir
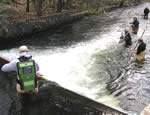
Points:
[51,100]
[74,104]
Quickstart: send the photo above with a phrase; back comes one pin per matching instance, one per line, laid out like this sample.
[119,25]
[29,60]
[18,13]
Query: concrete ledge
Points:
[16,28]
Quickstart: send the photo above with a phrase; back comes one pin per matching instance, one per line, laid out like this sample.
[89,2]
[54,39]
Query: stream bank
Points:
[14,28]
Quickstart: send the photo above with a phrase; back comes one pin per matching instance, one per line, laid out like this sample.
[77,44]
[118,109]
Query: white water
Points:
[69,67]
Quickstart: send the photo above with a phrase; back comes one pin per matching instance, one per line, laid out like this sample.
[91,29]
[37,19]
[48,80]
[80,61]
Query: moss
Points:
[93,11]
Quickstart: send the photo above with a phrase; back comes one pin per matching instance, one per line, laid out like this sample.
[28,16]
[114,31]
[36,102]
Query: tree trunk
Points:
[28,6]
[97,5]
[122,3]
[68,4]
[39,8]
[59,5]
[87,3]
[53,3]
[63,3]
[50,3]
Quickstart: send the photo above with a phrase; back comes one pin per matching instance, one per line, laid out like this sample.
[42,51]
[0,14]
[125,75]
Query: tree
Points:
[97,5]
[68,4]
[122,2]
[38,6]
[59,5]
[28,5]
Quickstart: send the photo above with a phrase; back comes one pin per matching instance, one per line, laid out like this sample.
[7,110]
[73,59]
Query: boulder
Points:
[8,12]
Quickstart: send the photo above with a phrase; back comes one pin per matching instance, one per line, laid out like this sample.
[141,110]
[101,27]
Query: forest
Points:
[39,7]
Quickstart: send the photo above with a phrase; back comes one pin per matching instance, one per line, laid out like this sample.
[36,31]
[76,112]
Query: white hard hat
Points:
[23,49]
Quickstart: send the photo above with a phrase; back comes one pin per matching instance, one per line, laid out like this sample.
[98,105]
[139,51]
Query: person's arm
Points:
[136,23]
[9,67]
[37,66]
[134,51]
[144,11]
[18,88]
[140,49]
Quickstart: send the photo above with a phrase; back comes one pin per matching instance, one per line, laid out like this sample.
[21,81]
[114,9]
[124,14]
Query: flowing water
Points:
[77,56]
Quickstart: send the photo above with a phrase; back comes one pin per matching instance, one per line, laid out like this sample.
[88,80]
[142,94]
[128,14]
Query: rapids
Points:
[84,56]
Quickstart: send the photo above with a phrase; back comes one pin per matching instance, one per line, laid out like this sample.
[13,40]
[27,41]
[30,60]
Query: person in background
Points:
[127,37]
[26,69]
[135,25]
[140,52]
[146,12]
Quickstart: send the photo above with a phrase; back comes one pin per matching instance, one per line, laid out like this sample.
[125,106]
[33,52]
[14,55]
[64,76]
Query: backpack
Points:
[26,73]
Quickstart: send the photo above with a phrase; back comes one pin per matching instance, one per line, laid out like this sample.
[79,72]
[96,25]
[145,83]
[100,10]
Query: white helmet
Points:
[23,49]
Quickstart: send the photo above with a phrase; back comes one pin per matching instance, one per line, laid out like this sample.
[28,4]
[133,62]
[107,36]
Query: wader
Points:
[140,57]
[134,29]
[130,30]
[145,16]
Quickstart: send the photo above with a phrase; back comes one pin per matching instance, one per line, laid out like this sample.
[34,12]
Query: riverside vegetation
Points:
[21,17]
[31,8]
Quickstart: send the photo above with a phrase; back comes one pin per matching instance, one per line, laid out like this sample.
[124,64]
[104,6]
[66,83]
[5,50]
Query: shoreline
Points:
[20,27]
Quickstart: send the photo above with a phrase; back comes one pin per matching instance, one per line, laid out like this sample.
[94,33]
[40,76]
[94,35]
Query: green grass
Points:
[93,11]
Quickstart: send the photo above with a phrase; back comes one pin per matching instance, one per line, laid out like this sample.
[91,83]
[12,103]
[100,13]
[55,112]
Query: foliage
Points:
[40,6]
[112,2]
[4,1]
[93,11]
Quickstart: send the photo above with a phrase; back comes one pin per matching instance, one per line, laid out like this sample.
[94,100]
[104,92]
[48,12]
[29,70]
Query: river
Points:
[77,55]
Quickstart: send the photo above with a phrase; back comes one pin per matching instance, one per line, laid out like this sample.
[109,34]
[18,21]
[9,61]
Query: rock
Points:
[8,12]
[15,28]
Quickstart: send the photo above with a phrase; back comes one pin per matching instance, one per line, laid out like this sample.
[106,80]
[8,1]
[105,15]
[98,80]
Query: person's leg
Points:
[144,16]
[36,90]
[147,16]
[135,30]
[140,58]
[19,91]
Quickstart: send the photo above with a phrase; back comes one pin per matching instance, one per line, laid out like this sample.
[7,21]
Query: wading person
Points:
[26,69]
[146,12]
[135,25]
[127,38]
[140,52]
